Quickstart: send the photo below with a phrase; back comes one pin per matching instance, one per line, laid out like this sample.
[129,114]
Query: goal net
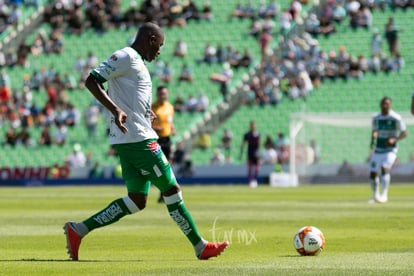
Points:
[324,141]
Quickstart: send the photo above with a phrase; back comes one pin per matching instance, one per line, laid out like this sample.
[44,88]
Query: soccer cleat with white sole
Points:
[73,241]
[382,199]
[374,199]
[253,184]
[213,250]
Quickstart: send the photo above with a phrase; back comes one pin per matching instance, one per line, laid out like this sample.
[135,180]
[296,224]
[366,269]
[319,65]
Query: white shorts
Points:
[382,160]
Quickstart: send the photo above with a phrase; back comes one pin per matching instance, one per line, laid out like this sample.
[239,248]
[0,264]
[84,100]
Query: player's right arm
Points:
[95,86]
[374,135]
[117,65]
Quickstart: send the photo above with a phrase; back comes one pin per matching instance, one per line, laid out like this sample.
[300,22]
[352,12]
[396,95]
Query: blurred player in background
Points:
[129,101]
[163,123]
[252,138]
[387,129]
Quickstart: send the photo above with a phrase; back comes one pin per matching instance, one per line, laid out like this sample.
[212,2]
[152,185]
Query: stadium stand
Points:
[13,14]
[330,96]
[334,96]
[101,45]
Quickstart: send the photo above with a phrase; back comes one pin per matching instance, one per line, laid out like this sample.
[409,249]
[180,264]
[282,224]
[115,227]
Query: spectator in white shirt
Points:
[269,155]
[77,158]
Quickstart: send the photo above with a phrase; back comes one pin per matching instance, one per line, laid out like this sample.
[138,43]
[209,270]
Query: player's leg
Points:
[374,179]
[255,170]
[162,176]
[252,172]
[165,144]
[385,178]
[249,171]
[137,187]
[135,201]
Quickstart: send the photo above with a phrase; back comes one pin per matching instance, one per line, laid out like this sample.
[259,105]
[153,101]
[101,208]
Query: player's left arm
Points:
[173,129]
[394,140]
[153,117]
[403,131]
[402,135]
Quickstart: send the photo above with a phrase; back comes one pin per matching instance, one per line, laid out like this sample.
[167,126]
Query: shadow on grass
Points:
[67,260]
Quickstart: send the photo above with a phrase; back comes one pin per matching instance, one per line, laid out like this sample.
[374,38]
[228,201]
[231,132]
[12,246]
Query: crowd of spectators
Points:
[304,65]
[22,112]
[57,114]
[76,16]
[230,59]
[249,11]
[191,104]
[263,20]
[220,54]
[165,73]
[358,13]
[43,43]
[10,14]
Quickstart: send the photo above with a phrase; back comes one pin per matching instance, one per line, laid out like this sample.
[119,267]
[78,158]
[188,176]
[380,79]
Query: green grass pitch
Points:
[361,239]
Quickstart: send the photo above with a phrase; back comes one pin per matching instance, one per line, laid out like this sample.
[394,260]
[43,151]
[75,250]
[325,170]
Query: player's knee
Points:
[141,204]
[139,200]
[384,170]
[173,190]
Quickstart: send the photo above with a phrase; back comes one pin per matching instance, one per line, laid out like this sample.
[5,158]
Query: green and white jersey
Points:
[388,126]
[130,88]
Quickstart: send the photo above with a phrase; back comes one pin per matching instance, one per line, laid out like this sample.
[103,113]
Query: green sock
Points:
[182,217]
[112,213]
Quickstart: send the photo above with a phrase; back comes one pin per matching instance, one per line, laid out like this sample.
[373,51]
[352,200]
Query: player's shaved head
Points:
[149,29]
[148,41]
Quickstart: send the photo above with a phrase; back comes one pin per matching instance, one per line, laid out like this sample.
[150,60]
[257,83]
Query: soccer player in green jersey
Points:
[129,101]
[387,129]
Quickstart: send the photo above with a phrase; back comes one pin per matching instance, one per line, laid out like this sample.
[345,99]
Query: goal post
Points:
[320,141]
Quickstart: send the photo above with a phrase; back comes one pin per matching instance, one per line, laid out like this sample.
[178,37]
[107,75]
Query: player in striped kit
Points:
[387,129]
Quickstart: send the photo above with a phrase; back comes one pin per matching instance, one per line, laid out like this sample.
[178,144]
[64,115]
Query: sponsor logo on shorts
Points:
[154,148]
[114,58]
[144,172]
